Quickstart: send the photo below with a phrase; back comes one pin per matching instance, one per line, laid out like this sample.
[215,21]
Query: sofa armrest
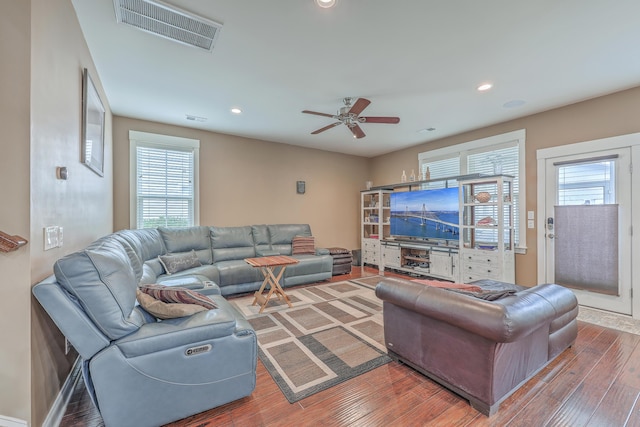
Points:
[504,320]
[172,333]
[322,251]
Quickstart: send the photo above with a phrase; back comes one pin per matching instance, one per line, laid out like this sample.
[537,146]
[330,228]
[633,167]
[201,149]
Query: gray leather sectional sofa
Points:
[143,372]
[221,251]
[482,350]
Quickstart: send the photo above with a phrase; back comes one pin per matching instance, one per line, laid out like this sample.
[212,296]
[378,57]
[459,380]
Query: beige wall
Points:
[15,291]
[611,115]
[242,181]
[245,181]
[82,204]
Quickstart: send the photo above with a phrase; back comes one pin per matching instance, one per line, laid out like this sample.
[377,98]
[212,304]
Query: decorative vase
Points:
[403,178]
[412,177]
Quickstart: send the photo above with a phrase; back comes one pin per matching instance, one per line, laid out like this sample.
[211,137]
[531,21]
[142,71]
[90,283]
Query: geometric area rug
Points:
[333,333]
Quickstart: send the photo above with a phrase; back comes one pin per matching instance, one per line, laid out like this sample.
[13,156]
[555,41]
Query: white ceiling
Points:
[420,60]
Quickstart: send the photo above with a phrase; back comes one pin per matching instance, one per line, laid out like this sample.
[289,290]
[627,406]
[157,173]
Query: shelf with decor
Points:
[487,229]
[375,208]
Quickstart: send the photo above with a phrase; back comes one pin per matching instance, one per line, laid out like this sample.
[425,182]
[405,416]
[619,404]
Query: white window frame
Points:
[137,138]
[497,141]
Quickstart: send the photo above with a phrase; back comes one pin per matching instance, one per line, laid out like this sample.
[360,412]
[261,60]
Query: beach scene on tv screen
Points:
[425,214]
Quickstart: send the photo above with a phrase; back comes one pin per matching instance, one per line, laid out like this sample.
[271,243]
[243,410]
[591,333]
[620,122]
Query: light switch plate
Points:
[530,224]
[531,215]
[50,237]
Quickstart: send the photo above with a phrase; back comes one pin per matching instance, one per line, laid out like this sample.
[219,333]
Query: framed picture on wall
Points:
[92,126]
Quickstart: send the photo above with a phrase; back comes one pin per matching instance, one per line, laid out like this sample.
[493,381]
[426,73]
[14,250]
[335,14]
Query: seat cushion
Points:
[234,272]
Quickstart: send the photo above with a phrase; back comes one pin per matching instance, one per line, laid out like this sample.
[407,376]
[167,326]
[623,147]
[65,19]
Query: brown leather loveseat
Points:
[482,350]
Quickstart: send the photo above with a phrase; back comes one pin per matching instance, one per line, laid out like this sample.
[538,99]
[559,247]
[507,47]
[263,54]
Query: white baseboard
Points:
[11,422]
[62,400]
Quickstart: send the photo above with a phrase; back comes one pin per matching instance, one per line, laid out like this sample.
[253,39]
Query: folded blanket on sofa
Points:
[448,285]
[468,289]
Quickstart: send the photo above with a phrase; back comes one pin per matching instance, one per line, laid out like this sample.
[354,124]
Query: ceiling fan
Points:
[349,115]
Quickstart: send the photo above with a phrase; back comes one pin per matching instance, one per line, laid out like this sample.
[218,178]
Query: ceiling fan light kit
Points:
[349,115]
[326,3]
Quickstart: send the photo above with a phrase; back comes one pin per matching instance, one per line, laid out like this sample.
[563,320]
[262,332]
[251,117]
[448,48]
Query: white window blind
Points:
[502,153]
[586,183]
[506,161]
[441,168]
[163,180]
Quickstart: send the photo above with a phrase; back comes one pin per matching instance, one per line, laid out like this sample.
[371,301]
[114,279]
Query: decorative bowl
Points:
[483,197]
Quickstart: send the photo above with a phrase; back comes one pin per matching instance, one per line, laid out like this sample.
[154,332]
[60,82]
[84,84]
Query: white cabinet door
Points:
[441,265]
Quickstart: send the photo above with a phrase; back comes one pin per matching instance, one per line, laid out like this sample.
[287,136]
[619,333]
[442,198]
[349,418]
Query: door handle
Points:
[551,236]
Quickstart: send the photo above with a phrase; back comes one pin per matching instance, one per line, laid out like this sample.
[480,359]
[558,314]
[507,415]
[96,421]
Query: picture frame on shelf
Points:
[93,118]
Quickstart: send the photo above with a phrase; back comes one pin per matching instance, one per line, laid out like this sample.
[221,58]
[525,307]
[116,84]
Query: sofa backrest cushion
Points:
[147,242]
[103,282]
[231,243]
[70,318]
[281,236]
[134,259]
[261,238]
[184,239]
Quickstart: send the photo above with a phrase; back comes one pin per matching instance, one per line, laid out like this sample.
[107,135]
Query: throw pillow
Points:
[173,263]
[176,294]
[303,245]
[163,310]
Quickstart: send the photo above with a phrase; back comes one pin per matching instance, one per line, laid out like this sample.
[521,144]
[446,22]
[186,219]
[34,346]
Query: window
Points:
[163,180]
[586,183]
[503,153]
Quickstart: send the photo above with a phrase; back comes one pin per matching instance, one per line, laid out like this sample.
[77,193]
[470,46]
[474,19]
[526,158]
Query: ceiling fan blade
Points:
[360,105]
[318,114]
[391,120]
[357,131]
[332,125]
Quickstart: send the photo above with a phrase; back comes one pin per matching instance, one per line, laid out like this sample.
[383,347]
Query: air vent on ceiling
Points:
[168,21]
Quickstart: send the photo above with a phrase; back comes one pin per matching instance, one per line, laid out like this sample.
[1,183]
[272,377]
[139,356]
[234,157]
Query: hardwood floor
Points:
[594,383]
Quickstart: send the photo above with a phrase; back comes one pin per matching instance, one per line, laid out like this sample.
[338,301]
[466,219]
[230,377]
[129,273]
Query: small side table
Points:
[268,265]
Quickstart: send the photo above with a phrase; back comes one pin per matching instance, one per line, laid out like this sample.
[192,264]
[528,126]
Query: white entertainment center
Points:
[479,245]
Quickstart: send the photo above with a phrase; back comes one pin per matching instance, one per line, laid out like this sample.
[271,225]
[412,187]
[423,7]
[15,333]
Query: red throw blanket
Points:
[448,285]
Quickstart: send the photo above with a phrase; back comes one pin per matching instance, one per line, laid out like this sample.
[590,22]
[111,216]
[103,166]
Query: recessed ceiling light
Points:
[484,86]
[236,111]
[326,3]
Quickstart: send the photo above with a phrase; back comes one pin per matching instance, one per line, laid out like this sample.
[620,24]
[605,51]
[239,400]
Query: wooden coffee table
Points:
[269,266]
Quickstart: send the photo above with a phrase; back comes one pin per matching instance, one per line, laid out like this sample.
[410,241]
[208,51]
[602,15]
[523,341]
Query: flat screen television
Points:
[425,214]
